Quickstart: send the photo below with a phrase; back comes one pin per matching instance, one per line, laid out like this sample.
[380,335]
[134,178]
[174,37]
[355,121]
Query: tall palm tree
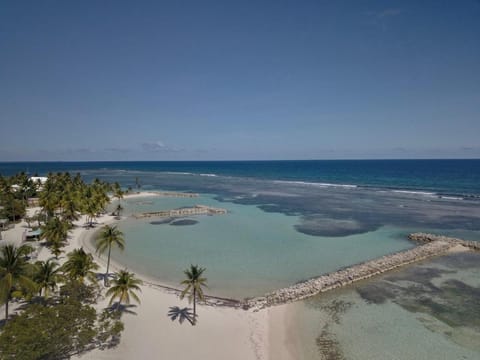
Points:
[117,191]
[124,286]
[14,273]
[47,276]
[194,283]
[109,236]
[49,196]
[55,231]
[80,266]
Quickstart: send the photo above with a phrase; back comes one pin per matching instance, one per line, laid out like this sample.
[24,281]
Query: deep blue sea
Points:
[445,177]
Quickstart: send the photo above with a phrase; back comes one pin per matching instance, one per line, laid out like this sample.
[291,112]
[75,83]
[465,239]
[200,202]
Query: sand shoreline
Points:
[222,332]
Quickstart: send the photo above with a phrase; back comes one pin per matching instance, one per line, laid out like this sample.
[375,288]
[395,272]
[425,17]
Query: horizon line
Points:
[237,160]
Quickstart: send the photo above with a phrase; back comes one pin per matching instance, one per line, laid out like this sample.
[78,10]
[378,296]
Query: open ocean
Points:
[289,221]
[448,177]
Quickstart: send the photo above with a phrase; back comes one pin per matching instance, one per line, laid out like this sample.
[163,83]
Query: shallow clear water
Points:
[246,252]
[428,311]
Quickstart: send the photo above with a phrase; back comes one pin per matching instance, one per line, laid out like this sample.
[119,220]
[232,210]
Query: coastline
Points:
[149,333]
[222,331]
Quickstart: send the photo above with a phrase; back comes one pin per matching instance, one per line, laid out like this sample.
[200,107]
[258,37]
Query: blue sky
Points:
[197,80]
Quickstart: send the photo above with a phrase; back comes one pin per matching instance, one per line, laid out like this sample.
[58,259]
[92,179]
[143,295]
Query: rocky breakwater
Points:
[175,194]
[187,211]
[426,238]
[433,247]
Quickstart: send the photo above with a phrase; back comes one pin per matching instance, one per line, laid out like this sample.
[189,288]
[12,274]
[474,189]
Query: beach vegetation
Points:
[47,276]
[118,210]
[67,197]
[58,330]
[55,232]
[57,317]
[117,191]
[80,266]
[110,236]
[125,285]
[15,274]
[193,286]
[14,194]
[12,204]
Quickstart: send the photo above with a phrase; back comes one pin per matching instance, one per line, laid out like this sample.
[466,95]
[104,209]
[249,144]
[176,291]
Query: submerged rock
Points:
[183,222]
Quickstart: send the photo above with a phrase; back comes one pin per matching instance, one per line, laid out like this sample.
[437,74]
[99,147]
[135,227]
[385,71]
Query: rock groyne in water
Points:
[426,238]
[434,246]
[175,194]
[196,210]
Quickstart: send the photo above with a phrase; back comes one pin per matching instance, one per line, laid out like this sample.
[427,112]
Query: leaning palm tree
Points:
[124,286]
[80,266]
[194,283]
[14,273]
[109,236]
[47,276]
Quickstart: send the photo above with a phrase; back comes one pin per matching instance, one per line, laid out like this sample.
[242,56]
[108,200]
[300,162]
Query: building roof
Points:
[42,179]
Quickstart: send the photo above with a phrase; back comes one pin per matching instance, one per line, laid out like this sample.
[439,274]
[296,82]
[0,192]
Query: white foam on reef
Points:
[208,175]
[177,173]
[306,183]
[412,192]
[451,197]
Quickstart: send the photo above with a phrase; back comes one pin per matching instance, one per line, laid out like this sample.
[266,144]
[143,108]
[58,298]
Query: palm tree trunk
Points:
[6,310]
[108,260]
[105,281]
[194,306]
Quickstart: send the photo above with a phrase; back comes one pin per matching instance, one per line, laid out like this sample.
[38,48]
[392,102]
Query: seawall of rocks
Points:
[433,246]
[196,210]
[426,238]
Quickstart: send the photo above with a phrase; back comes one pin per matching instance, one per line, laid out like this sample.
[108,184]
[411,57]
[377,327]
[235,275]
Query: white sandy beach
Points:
[220,333]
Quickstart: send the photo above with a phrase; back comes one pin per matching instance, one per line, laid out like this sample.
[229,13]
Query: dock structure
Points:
[433,246]
[187,211]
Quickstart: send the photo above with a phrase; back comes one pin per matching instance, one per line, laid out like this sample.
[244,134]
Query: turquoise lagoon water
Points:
[428,311]
[246,252]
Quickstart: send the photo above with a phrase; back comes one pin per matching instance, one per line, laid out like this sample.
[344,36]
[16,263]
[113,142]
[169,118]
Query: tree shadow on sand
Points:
[122,308]
[176,312]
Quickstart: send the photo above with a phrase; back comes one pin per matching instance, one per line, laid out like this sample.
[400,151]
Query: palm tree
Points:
[55,231]
[118,210]
[49,196]
[117,192]
[80,266]
[14,271]
[124,286]
[47,276]
[109,236]
[194,283]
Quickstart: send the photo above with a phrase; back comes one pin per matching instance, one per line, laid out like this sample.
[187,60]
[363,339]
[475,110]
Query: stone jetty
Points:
[426,238]
[175,194]
[432,246]
[187,211]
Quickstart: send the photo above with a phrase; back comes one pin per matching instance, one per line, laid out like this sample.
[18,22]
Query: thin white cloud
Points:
[159,146]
